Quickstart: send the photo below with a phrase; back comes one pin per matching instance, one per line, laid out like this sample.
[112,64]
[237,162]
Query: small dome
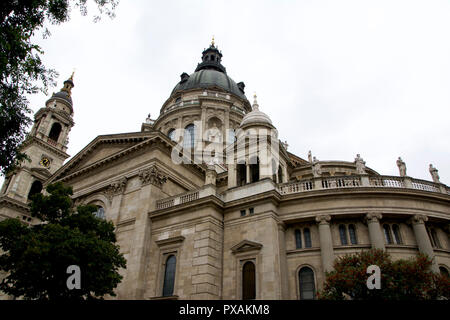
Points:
[63,95]
[256,117]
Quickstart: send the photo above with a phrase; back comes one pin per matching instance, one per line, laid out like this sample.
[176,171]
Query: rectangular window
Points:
[251,210]
[307,235]
[242,213]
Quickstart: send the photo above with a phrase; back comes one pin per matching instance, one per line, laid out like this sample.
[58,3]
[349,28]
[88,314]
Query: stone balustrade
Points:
[186,197]
[357,181]
[387,181]
[322,183]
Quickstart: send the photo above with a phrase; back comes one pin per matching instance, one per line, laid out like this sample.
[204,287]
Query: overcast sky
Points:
[336,77]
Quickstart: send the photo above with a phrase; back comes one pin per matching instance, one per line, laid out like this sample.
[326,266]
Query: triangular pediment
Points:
[246,245]
[102,148]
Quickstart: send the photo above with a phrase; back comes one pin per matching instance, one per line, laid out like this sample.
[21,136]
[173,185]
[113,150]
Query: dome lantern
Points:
[211,59]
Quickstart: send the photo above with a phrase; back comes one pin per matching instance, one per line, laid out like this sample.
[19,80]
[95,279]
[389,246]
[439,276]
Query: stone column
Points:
[422,238]
[226,126]
[326,242]
[247,170]
[231,176]
[201,143]
[375,234]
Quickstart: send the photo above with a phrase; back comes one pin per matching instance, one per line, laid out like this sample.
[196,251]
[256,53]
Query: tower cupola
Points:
[63,98]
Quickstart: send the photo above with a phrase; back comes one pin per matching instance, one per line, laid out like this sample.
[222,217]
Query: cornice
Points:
[271,195]
[145,138]
[29,141]
[62,115]
[5,201]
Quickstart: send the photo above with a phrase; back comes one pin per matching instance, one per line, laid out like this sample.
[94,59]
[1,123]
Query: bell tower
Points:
[45,145]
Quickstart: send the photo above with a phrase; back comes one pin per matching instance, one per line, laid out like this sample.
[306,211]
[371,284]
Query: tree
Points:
[402,279]
[21,69]
[36,258]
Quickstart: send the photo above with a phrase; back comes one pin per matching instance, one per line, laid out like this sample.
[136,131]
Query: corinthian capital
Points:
[323,219]
[418,218]
[374,216]
[152,175]
[116,187]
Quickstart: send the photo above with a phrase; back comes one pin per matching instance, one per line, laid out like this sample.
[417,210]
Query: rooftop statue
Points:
[401,167]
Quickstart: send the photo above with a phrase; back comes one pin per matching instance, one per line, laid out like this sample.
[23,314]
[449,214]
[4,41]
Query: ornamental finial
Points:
[255,103]
[212,41]
[71,76]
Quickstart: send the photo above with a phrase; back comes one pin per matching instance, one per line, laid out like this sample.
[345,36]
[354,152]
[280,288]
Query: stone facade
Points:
[215,218]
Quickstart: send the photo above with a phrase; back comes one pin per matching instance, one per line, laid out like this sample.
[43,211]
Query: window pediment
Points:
[246,245]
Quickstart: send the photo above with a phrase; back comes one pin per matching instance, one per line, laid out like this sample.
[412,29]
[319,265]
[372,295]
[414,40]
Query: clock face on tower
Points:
[45,162]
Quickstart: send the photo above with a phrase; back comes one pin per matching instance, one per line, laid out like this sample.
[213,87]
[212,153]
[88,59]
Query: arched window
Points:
[100,213]
[171,134]
[248,281]
[189,136]
[55,131]
[343,234]
[274,171]
[444,271]
[397,236]
[254,169]
[387,233]
[280,174]
[241,172]
[36,187]
[352,234]
[306,284]
[307,235]
[298,239]
[169,276]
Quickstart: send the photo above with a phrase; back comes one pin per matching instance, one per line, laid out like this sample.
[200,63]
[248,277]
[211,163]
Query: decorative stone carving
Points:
[116,187]
[210,176]
[401,167]
[360,165]
[77,202]
[316,168]
[374,216]
[152,175]
[418,219]
[310,157]
[323,218]
[434,174]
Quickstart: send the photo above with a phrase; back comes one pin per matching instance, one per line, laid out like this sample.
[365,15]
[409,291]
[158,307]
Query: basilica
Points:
[208,203]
